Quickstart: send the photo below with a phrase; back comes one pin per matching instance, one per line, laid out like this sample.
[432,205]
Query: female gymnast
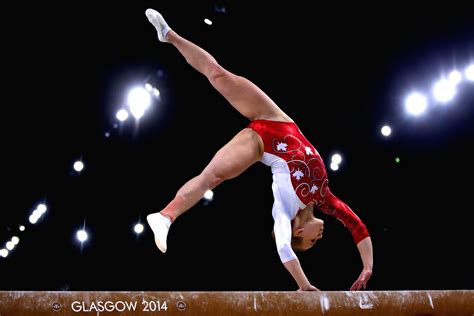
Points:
[300,182]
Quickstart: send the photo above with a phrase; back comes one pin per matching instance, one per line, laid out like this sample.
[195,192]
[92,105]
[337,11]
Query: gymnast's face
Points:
[312,232]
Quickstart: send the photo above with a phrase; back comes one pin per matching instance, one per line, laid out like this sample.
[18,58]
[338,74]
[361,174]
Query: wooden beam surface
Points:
[385,303]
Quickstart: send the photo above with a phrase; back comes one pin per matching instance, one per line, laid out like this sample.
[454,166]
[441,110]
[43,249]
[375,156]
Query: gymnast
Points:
[300,182]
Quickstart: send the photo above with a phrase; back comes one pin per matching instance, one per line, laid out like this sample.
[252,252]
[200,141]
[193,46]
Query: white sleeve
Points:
[283,233]
[284,208]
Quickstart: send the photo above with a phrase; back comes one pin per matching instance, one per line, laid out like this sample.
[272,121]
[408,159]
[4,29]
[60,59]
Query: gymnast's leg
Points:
[242,151]
[241,93]
[236,156]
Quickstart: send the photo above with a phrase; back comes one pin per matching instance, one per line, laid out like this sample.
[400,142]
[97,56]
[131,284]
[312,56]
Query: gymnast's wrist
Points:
[304,285]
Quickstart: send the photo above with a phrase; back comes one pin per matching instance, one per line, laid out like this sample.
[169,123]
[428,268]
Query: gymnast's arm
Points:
[294,267]
[335,207]
[366,254]
[283,232]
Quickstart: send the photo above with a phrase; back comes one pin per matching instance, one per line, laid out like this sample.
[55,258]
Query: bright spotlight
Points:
[416,103]
[386,130]
[81,235]
[22,228]
[156,92]
[208,195]
[444,91]
[455,77]
[15,240]
[138,100]
[41,208]
[33,219]
[3,253]
[139,97]
[208,22]
[137,111]
[336,158]
[78,166]
[10,245]
[469,73]
[148,87]
[334,166]
[36,213]
[138,228]
[122,115]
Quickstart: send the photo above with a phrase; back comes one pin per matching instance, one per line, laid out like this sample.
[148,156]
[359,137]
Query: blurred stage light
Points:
[334,166]
[208,195]
[386,130]
[208,22]
[36,213]
[336,158]
[137,111]
[138,228]
[10,245]
[455,77]
[155,92]
[469,73]
[444,91]
[81,235]
[41,208]
[15,240]
[416,103]
[220,8]
[3,253]
[122,115]
[22,228]
[33,219]
[138,100]
[78,166]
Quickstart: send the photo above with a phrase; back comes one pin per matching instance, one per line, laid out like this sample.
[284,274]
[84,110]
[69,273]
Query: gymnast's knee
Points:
[217,75]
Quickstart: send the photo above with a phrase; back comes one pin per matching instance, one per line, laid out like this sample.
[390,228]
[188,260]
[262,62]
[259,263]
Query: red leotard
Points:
[286,150]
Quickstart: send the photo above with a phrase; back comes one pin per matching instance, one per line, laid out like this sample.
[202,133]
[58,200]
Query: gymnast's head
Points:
[306,229]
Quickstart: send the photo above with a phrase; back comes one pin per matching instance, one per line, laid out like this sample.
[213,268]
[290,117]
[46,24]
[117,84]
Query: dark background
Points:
[339,71]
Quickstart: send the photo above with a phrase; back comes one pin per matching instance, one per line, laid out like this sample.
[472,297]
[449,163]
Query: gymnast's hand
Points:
[361,282]
[309,287]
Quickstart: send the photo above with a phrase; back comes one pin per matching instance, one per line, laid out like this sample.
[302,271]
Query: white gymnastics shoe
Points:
[160,226]
[159,23]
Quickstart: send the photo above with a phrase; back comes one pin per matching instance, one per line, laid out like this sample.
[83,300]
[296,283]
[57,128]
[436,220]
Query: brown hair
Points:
[296,242]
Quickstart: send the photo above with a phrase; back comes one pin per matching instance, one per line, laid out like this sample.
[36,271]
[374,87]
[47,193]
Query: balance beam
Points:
[385,303]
